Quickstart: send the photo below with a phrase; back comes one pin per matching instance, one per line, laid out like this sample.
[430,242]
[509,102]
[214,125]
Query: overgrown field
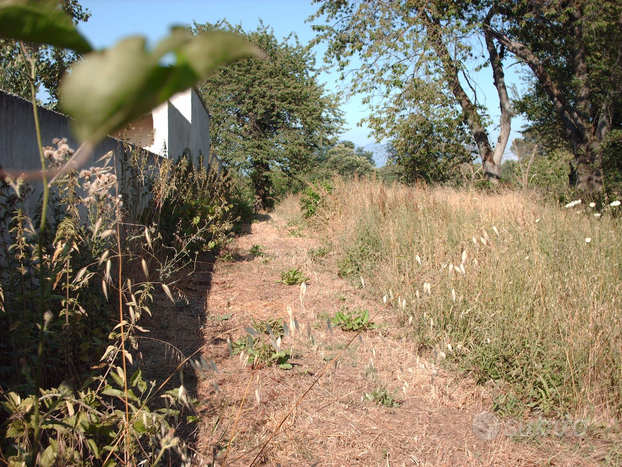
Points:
[522,293]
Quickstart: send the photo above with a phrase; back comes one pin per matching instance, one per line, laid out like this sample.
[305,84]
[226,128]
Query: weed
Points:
[293,276]
[353,321]
[226,256]
[295,232]
[257,251]
[313,198]
[382,396]
[263,348]
[319,252]
[226,317]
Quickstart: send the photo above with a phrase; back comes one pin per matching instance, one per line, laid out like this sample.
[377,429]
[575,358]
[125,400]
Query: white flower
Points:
[588,240]
[573,203]
[592,205]
[615,203]
[598,214]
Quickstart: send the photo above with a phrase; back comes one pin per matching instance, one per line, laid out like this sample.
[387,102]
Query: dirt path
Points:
[381,404]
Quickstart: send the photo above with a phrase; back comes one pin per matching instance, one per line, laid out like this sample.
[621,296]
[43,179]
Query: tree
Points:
[412,57]
[268,114]
[574,51]
[52,62]
[348,162]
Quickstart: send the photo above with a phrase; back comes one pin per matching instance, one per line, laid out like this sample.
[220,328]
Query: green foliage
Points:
[83,425]
[313,198]
[268,117]
[82,377]
[319,252]
[262,344]
[411,62]
[352,320]
[47,21]
[390,173]
[612,163]
[382,396]
[550,172]
[65,327]
[345,161]
[257,251]
[293,276]
[573,101]
[41,22]
[192,203]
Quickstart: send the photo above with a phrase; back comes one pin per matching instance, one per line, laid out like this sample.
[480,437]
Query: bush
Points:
[63,309]
[313,198]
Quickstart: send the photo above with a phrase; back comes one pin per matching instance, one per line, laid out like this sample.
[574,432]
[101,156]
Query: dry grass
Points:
[336,425]
[517,294]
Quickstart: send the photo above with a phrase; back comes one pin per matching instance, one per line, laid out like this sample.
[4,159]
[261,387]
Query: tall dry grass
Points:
[516,290]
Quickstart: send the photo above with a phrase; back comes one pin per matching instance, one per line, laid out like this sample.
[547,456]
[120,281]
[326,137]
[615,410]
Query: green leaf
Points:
[41,22]
[48,457]
[111,88]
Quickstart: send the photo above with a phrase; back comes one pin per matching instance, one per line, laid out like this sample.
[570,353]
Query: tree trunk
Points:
[491,160]
[589,174]
[262,184]
[584,135]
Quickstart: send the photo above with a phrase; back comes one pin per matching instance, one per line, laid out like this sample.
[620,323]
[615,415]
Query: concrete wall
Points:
[18,142]
[178,125]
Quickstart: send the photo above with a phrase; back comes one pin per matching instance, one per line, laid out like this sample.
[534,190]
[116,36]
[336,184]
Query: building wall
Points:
[19,150]
[18,142]
[179,124]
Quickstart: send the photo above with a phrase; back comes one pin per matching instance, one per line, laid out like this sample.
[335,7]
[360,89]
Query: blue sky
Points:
[114,19]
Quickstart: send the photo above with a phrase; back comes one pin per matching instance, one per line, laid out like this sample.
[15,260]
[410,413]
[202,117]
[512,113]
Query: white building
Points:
[178,125]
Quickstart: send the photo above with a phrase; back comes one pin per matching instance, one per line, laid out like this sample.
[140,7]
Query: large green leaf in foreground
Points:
[41,22]
[111,88]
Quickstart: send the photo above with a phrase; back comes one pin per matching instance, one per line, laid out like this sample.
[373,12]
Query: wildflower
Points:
[592,204]
[573,203]
[495,230]
[597,214]
[588,240]
[418,259]
[426,287]
[615,203]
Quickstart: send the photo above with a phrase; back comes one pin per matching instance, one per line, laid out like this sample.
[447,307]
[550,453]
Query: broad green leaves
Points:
[41,22]
[110,88]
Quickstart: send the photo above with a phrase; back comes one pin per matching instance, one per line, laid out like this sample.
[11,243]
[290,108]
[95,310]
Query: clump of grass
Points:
[293,276]
[506,283]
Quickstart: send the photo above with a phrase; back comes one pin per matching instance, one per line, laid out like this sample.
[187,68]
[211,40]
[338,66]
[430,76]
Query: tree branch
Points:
[571,120]
[504,99]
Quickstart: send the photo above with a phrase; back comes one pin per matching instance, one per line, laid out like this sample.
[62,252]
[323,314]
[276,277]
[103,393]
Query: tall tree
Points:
[52,62]
[574,50]
[413,56]
[348,162]
[268,114]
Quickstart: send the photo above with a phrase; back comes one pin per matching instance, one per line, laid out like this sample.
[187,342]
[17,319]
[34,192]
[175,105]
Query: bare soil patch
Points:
[428,412]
